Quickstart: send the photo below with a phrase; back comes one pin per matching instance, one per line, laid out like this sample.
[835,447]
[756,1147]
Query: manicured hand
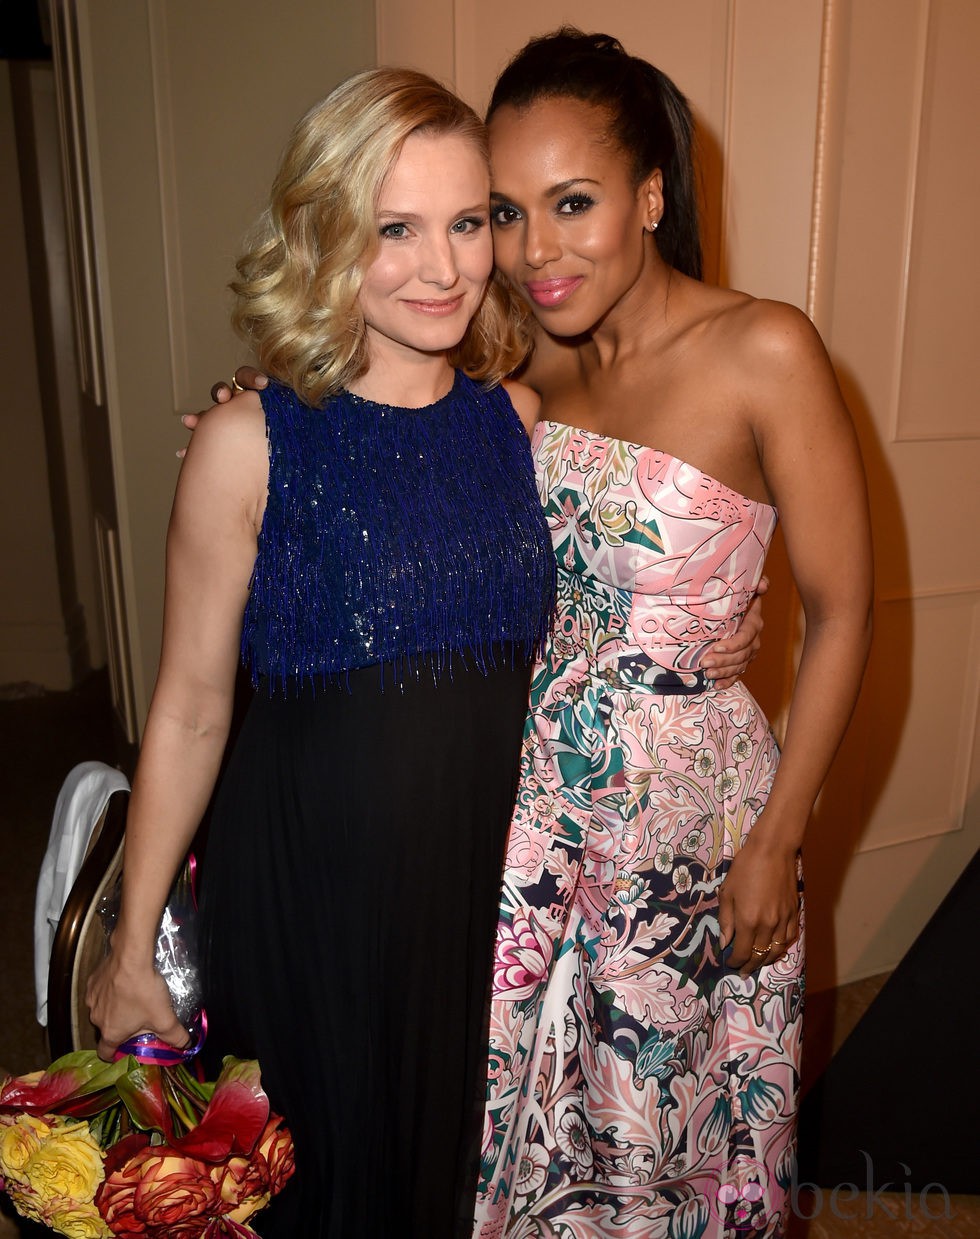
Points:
[727,660]
[759,906]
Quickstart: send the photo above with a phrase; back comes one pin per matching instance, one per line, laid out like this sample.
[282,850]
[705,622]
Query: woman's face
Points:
[435,251]
[568,222]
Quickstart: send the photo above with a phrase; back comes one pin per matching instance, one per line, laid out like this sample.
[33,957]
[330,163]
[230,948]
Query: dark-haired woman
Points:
[645,1029]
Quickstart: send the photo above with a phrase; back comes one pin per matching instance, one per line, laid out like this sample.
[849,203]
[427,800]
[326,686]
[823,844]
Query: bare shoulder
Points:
[771,338]
[236,423]
[771,355]
[525,400]
[227,461]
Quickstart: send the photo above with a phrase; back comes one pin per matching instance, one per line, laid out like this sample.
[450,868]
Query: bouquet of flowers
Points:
[93,1149]
[142,1146]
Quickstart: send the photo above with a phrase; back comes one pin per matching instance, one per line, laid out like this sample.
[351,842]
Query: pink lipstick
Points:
[552,292]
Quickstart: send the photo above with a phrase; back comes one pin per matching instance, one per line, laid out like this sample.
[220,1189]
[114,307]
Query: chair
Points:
[79,941]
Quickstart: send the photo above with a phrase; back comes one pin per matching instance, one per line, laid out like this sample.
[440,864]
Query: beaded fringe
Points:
[396,536]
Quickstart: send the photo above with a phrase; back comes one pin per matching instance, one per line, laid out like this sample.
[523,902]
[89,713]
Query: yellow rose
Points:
[25,1202]
[68,1163]
[20,1139]
[77,1221]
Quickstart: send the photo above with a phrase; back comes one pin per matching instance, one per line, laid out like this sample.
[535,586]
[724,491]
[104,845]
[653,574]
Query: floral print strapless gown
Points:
[638,1087]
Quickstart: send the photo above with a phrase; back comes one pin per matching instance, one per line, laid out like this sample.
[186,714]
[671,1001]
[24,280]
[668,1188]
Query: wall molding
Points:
[177,317]
[90,345]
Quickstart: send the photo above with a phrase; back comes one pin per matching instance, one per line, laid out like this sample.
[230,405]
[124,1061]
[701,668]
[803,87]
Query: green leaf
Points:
[78,1084]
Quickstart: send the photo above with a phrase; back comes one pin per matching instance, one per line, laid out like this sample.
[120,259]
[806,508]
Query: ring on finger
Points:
[236,386]
[777,942]
[758,950]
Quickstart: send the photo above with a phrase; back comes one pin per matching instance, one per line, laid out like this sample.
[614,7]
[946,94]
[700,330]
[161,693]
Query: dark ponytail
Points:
[650,119]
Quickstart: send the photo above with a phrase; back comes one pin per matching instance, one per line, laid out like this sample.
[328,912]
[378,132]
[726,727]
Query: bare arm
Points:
[812,466]
[211,547]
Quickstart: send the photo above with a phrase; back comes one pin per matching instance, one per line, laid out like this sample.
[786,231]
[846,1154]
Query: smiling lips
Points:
[552,292]
[437,308]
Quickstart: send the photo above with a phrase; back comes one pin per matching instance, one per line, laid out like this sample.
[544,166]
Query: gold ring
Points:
[757,950]
[777,942]
[236,386]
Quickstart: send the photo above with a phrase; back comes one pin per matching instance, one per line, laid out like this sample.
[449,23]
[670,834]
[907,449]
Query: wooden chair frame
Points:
[79,942]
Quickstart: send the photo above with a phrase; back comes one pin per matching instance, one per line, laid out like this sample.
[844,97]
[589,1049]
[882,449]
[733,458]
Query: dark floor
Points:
[42,735]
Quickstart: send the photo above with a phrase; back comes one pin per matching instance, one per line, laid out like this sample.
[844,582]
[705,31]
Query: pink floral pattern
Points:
[638,1088]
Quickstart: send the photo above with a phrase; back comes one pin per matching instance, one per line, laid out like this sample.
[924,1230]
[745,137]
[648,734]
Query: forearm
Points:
[832,663]
[177,770]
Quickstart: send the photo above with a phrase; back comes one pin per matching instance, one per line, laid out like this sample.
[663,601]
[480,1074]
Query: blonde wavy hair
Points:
[301,272]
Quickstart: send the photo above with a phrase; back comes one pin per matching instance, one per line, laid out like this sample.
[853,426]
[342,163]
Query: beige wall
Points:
[896,296]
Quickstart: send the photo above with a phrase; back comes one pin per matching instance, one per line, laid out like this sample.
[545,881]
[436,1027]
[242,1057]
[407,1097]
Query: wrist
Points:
[134,949]
[777,834]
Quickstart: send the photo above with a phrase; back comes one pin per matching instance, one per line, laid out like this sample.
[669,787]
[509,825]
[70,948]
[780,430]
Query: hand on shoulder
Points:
[227,460]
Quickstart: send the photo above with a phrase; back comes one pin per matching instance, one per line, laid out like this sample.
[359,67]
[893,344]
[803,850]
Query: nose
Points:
[541,243]
[437,264]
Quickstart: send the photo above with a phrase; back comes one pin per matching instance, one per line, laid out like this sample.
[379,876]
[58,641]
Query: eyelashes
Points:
[569,205]
[398,230]
[575,204]
[504,214]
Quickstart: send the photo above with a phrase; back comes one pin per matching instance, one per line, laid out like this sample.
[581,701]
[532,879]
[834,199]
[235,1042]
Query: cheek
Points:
[386,273]
[612,242]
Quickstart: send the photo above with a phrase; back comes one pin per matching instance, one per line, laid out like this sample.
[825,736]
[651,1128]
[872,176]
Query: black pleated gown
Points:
[353,867]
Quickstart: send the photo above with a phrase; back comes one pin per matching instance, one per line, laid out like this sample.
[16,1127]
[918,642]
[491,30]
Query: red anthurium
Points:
[235,1117]
[142,1091]
[78,1084]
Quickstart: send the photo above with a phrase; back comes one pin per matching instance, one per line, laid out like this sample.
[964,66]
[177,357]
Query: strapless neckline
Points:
[645,447]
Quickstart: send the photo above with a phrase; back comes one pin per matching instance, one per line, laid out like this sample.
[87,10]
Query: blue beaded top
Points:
[394,534]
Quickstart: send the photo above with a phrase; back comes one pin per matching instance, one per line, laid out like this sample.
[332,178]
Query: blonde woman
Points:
[366,532]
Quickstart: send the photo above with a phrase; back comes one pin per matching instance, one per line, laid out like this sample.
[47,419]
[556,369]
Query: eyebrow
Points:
[412,217]
[553,190]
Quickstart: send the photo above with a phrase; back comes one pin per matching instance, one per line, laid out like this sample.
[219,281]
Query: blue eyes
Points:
[396,231]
